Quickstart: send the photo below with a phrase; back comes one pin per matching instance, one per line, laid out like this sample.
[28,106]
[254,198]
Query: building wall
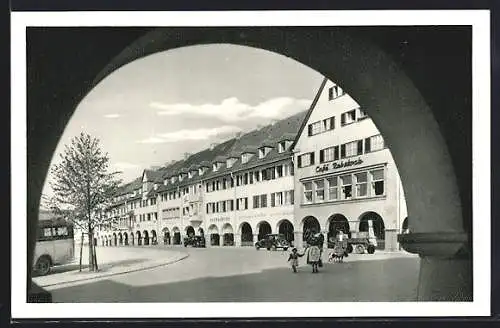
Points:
[390,206]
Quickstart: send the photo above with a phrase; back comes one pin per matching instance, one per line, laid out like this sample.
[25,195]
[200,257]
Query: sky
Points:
[159,107]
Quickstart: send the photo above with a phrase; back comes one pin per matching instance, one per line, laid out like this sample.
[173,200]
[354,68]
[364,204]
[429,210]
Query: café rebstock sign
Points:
[338,165]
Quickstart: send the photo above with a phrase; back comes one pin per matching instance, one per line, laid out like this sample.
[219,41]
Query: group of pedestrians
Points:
[314,251]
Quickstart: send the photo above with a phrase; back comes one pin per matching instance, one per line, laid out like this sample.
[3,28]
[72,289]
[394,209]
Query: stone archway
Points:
[213,231]
[227,235]
[145,236]
[372,85]
[378,227]
[336,223]
[310,226]
[177,236]
[246,234]
[264,228]
[154,238]
[132,241]
[166,236]
[114,239]
[139,238]
[120,239]
[285,227]
[125,238]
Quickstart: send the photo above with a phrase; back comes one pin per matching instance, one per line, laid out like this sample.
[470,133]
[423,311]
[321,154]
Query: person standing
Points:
[294,258]
[313,257]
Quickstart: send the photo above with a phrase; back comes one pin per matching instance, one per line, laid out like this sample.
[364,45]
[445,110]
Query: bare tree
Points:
[83,187]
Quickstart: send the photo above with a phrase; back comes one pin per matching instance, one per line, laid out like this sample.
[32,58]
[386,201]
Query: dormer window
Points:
[181,177]
[216,166]
[155,186]
[246,157]
[264,151]
[165,182]
[172,180]
[281,147]
[201,170]
[191,174]
[230,162]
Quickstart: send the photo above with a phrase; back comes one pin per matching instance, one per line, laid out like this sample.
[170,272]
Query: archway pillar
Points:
[255,237]
[325,238]
[237,239]
[208,241]
[297,239]
[445,265]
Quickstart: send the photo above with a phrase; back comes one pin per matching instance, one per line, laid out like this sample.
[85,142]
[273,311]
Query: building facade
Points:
[321,170]
[345,175]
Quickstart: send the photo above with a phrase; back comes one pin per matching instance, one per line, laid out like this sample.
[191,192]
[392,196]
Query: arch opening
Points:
[154,238]
[310,226]
[246,234]
[227,235]
[285,228]
[214,235]
[264,229]
[337,223]
[378,227]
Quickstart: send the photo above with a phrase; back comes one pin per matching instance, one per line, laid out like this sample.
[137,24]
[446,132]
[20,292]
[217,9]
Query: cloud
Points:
[192,134]
[125,165]
[232,110]
[152,140]
[112,115]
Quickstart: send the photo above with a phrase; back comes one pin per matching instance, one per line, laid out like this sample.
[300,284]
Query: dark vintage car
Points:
[273,242]
[194,241]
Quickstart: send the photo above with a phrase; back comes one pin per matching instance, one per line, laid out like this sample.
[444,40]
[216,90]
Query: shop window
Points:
[332,188]
[320,190]
[346,186]
[308,192]
[377,182]
[361,184]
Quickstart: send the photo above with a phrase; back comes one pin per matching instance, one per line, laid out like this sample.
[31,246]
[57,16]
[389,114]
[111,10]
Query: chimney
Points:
[212,145]
[186,155]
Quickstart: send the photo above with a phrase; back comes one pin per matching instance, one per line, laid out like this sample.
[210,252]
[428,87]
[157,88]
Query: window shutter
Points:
[237,204]
[246,202]
[309,130]
[312,158]
[332,122]
[299,161]
[342,151]
[336,153]
[330,93]
[273,199]
[322,156]
[360,147]
[342,119]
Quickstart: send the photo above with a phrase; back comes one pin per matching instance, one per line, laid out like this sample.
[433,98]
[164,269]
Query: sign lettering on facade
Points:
[222,219]
[338,165]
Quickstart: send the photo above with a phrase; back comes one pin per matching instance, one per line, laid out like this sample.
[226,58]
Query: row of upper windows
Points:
[270,173]
[281,198]
[148,217]
[173,212]
[329,123]
[361,184]
[349,149]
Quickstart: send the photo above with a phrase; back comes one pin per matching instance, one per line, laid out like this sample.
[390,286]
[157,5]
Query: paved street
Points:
[232,274]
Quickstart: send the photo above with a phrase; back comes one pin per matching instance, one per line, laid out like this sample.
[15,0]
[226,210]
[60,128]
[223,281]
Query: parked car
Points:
[194,241]
[272,241]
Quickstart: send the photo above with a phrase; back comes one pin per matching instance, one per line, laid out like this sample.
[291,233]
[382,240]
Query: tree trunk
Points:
[96,268]
[81,251]
[91,252]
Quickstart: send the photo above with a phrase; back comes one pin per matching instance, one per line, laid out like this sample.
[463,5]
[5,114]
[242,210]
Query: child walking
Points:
[294,257]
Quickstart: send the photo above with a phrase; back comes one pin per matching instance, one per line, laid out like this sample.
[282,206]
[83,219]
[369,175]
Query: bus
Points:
[55,245]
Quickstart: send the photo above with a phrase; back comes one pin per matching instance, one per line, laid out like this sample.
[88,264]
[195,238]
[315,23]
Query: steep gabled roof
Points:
[308,114]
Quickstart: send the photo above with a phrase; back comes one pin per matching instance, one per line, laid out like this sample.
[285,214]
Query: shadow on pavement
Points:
[391,280]
[102,267]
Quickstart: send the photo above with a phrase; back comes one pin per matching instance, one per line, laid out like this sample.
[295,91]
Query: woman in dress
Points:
[313,252]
